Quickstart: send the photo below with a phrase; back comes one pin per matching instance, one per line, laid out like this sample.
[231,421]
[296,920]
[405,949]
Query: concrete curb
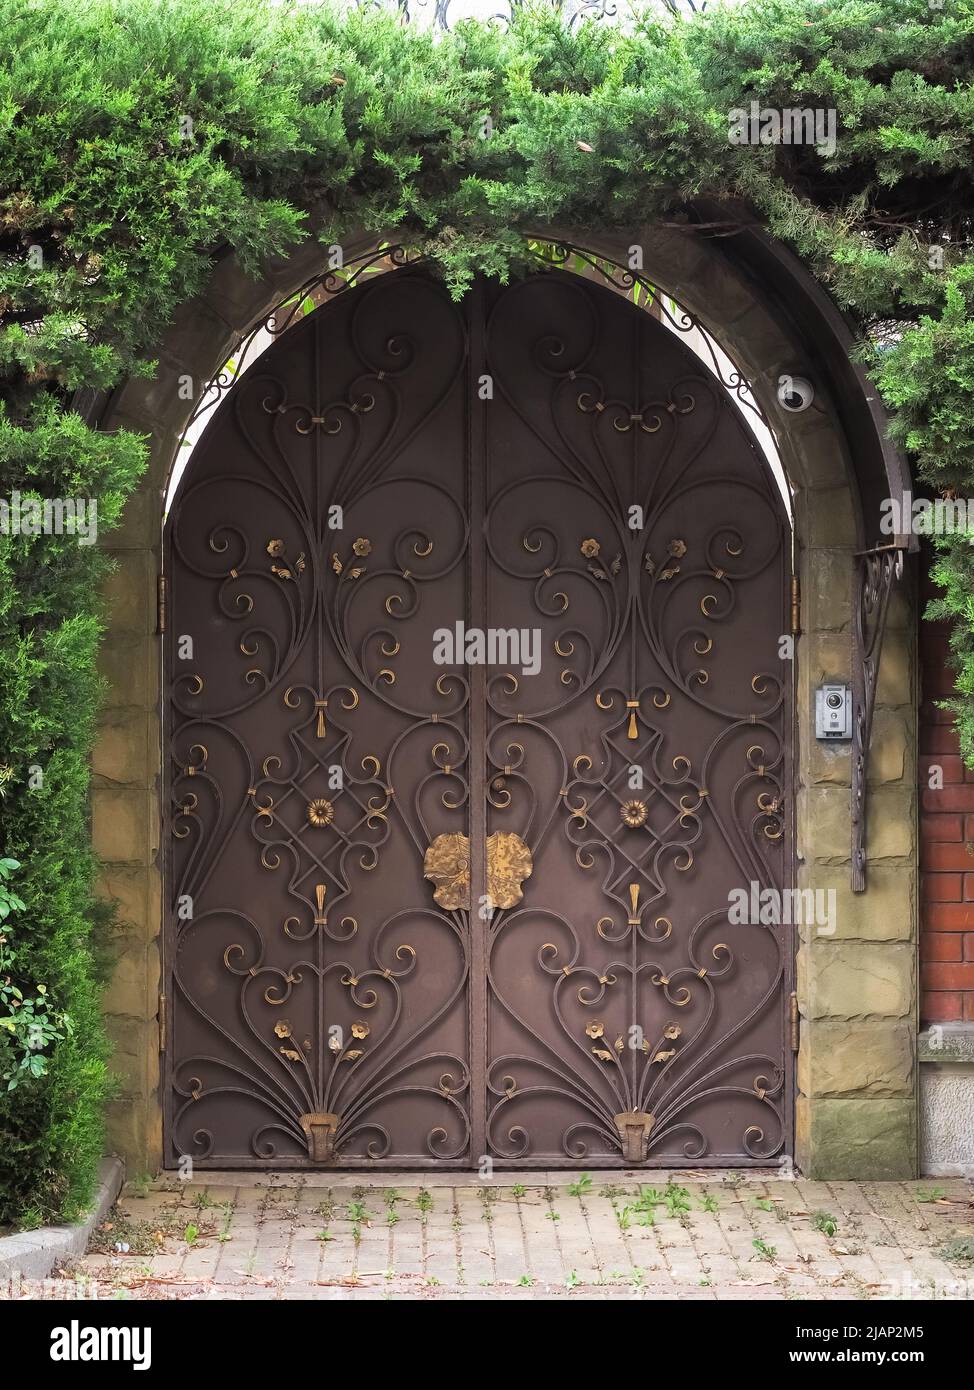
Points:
[33,1254]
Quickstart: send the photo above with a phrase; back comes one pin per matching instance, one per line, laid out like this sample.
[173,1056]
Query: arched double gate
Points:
[476,717]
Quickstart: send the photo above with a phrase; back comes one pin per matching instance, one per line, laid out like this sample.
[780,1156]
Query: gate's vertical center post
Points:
[479,919]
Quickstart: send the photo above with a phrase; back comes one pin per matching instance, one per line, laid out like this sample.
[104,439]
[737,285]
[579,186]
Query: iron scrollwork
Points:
[310,752]
[633,1030]
[875,573]
[309,1033]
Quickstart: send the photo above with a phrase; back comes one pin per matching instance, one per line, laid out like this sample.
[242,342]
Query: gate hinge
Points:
[161,603]
[796,606]
[162,1023]
[794,1020]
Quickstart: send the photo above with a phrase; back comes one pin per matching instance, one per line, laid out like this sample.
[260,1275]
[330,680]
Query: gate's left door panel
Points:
[318,990]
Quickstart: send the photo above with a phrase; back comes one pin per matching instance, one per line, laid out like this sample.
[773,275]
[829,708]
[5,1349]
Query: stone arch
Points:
[856,996]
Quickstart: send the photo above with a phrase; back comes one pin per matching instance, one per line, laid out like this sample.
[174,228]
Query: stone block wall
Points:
[856,1107]
[125,828]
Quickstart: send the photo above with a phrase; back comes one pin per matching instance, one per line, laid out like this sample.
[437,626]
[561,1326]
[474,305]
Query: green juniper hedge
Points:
[139,138]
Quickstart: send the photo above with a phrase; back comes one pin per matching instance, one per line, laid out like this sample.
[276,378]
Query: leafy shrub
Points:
[28,1026]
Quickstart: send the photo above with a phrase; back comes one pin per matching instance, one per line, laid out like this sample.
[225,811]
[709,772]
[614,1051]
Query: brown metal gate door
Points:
[633,522]
[422,909]
[320,995]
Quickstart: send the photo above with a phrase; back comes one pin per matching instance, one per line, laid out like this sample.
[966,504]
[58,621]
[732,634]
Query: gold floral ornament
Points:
[276,549]
[321,812]
[676,549]
[360,1030]
[509,863]
[282,1029]
[361,547]
[596,1029]
[447,865]
[633,813]
[591,549]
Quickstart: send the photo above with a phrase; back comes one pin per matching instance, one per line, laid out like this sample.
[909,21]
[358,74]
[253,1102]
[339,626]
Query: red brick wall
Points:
[946,831]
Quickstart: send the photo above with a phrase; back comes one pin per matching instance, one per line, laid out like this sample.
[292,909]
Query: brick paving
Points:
[659,1235]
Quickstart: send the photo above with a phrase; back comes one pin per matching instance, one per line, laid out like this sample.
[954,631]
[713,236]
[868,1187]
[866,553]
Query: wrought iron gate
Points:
[423,910]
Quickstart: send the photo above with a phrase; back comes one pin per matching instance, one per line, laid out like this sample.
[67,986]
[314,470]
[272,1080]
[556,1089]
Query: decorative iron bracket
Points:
[875,572]
[634,1128]
[320,1129]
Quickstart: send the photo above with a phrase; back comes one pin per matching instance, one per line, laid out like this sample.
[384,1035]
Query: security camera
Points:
[795,393]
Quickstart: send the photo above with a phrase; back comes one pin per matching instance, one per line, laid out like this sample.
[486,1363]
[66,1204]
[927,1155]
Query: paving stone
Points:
[885,1243]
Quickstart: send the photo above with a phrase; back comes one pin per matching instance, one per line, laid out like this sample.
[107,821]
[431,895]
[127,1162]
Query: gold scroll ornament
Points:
[447,865]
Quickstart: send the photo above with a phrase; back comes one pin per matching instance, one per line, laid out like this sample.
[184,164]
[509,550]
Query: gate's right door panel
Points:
[638,776]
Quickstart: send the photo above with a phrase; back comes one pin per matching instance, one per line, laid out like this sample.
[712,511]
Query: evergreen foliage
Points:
[138,138]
